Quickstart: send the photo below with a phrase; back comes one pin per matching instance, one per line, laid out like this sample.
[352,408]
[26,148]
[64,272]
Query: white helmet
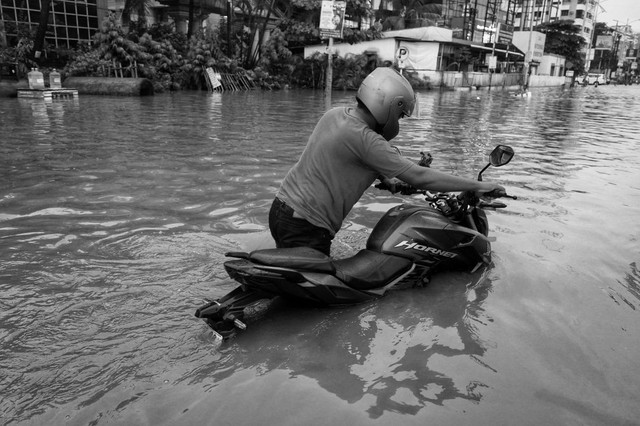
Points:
[388,96]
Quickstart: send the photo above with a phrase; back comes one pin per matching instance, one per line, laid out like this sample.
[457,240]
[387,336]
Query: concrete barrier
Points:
[110,86]
[9,88]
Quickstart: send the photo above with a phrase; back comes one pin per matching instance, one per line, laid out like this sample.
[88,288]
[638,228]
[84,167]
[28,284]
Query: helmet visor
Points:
[402,107]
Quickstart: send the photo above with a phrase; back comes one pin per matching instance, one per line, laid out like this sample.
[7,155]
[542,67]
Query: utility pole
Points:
[526,69]
[229,10]
[191,12]
[329,74]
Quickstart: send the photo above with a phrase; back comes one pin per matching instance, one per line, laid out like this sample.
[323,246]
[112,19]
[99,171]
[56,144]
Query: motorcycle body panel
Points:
[319,288]
[425,236]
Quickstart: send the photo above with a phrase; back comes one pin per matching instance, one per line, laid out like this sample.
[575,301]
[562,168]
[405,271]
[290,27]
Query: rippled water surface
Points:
[115,214]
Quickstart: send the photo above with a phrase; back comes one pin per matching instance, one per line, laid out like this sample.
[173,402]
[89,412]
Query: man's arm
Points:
[432,180]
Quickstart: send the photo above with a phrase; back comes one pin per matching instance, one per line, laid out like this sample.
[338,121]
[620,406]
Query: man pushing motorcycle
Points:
[347,151]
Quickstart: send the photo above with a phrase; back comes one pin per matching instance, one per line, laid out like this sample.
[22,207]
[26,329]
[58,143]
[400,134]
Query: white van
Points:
[594,79]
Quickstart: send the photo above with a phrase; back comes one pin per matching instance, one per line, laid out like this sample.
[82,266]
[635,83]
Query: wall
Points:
[483,80]
[422,58]
[385,48]
[550,59]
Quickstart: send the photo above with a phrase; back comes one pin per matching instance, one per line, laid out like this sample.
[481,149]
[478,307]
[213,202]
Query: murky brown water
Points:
[115,214]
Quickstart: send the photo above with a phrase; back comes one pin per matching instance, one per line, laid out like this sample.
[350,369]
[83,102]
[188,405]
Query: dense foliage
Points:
[564,39]
[172,60]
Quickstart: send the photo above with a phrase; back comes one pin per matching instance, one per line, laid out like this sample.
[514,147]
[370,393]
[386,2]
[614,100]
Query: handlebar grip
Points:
[492,205]
[496,193]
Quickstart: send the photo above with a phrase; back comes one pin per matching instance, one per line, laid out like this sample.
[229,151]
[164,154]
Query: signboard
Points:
[539,40]
[604,42]
[457,25]
[332,18]
[402,54]
[531,42]
[569,73]
[488,33]
[505,33]
[493,62]
[214,78]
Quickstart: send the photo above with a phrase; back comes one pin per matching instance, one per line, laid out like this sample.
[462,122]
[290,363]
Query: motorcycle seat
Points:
[369,269]
[299,258]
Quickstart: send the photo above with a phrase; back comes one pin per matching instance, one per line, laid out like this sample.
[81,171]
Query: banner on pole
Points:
[332,18]
[604,42]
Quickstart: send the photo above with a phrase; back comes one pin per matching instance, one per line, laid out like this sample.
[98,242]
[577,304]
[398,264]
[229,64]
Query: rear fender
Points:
[331,291]
[288,274]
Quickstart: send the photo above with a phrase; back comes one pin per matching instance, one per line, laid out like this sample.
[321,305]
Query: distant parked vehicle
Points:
[594,79]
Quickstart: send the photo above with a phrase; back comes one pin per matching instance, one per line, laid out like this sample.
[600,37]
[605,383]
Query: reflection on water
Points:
[397,359]
[115,214]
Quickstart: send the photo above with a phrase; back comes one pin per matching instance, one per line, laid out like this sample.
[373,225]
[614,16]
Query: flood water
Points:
[115,214]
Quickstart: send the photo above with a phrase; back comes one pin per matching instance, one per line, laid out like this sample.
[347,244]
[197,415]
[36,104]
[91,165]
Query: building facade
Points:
[70,21]
[583,13]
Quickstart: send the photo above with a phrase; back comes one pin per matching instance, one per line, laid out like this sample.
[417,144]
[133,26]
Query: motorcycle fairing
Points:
[368,269]
[424,235]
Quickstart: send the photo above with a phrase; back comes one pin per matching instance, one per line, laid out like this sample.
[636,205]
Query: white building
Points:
[583,13]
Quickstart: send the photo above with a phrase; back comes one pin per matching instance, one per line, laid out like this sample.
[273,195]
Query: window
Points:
[66,17]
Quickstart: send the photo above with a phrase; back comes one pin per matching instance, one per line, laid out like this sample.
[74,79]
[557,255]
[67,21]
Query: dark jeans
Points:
[289,231]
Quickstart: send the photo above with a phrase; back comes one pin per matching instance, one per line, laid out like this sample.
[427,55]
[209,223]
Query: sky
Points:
[621,10]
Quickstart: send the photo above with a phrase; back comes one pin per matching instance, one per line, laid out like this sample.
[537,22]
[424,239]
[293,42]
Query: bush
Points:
[172,62]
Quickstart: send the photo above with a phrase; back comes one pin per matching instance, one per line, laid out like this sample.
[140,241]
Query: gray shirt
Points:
[343,157]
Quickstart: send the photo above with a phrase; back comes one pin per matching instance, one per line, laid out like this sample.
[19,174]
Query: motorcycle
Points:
[408,244]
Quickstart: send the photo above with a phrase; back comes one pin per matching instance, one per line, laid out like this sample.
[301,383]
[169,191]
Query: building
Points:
[583,13]
[70,21]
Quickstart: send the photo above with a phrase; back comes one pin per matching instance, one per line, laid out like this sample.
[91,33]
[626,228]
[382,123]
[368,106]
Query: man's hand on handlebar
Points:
[497,192]
[491,190]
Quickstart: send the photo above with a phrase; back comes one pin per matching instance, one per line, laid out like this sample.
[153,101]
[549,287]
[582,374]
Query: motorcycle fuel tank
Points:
[424,235]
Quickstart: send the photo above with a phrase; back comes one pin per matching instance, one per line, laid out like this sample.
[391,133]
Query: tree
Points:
[302,20]
[141,8]
[563,38]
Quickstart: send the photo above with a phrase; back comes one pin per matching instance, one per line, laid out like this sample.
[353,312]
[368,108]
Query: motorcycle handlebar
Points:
[493,205]
[406,189]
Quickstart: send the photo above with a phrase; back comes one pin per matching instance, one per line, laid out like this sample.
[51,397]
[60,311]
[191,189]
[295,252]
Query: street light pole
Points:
[526,69]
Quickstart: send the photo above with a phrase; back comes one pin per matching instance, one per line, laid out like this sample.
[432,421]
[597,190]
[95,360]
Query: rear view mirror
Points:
[501,155]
